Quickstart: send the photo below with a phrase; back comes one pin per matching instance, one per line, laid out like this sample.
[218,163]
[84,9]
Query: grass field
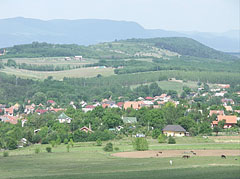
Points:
[59,75]
[85,160]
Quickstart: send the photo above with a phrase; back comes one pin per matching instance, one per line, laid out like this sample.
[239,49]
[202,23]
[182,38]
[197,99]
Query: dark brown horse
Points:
[223,156]
[186,156]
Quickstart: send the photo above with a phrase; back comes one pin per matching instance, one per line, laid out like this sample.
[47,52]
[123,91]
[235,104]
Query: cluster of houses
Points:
[79,58]
[11,114]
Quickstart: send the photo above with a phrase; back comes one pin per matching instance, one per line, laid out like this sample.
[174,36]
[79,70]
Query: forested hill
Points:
[132,48]
[186,46]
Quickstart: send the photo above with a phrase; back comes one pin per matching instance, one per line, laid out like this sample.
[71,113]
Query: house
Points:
[78,57]
[86,129]
[224,85]
[120,104]
[230,121]
[88,108]
[133,104]
[149,98]
[129,120]
[10,119]
[217,112]
[56,109]
[67,58]
[228,108]
[51,102]
[41,111]
[174,130]
[227,101]
[63,118]
[9,111]
[29,108]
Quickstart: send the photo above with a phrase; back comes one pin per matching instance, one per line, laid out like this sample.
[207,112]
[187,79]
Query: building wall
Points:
[176,134]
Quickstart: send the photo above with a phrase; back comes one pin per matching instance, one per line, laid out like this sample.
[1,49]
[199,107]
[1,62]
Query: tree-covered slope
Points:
[132,48]
[186,46]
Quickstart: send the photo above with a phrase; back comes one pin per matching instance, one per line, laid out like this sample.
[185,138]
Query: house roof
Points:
[228,119]
[41,111]
[51,101]
[64,116]
[10,119]
[174,128]
[219,112]
[228,108]
[129,119]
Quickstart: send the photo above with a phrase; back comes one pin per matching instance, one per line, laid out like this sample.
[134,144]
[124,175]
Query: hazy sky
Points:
[181,15]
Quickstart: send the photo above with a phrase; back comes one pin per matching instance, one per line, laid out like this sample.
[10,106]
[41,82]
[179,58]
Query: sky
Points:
[176,15]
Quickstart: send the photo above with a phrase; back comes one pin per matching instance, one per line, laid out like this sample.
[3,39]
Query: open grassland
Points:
[59,75]
[56,61]
[86,160]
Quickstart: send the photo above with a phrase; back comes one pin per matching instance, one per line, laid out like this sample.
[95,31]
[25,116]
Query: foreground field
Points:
[86,160]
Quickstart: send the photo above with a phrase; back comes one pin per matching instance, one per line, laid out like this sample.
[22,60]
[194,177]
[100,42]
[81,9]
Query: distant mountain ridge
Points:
[21,30]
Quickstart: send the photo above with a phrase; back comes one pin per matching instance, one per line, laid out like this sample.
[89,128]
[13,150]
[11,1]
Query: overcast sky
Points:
[180,15]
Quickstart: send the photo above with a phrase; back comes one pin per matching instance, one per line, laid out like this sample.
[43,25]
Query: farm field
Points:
[86,160]
[59,75]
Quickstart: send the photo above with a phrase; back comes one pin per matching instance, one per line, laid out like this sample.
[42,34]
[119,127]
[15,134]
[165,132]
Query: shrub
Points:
[162,138]
[65,141]
[49,149]
[37,150]
[116,148]
[52,143]
[45,140]
[99,142]
[58,141]
[140,144]
[108,147]
[71,142]
[11,144]
[68,147]
[5,154]
[171,140]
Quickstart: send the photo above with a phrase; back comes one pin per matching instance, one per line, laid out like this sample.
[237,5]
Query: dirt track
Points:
[176,153]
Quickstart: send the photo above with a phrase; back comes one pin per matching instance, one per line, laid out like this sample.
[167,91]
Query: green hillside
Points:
[132,48]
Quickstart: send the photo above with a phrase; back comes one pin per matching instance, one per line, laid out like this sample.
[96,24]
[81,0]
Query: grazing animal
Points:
[160,152]
[223,156]
[171,162]
[186,156]
[194,153]
[157,155]
[235,158]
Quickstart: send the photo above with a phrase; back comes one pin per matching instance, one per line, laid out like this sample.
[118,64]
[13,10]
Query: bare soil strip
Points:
[176,153]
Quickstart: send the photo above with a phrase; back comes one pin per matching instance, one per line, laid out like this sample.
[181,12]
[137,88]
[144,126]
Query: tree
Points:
[216,129]
[108,147]
[140,143]
[221,124]
[171,140]
[162,138]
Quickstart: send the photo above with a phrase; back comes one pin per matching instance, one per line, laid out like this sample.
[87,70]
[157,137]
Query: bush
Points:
[108,147]
[71,142]
[52,143]
[49,149]
[5,154]
[116,148]
[99,142]
[162,138]
[171,140]
[45,140]
[156,133]
[12,144]
[65,141]
[68,147]
[140,144]
[37,150]
[58,141]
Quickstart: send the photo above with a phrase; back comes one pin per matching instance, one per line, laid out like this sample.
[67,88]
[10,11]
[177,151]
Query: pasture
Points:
[59,75]
[86,160]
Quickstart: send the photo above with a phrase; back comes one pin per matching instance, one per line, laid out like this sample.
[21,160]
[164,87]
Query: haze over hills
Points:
[20,30]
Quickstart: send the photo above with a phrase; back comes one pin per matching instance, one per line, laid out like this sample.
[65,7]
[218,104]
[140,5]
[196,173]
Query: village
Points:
[226,115]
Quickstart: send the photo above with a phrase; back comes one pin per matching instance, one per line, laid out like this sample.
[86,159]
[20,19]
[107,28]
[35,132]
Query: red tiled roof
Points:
[41,111]
[149,98]
[51,101]
[229,119]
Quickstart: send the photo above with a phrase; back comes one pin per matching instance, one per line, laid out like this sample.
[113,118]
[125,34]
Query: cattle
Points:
[186,156]
[223,156]
[194,153]
[160,152]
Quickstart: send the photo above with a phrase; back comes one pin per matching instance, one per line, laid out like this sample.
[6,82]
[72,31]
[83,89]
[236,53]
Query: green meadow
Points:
[86,160]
